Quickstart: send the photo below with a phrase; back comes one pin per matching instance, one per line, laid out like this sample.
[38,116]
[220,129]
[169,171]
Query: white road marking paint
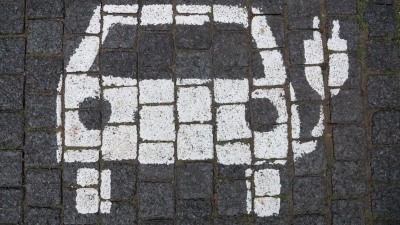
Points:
[262,33]
[313,50]
[157,123]
[94,24]
[118,81]
[231,91]
[316,22]
[231,123]
[318,130]
[193,9]
[76,133]
[78,87]
[195,142]
[84,156]
[59,110]
[277,98]
[192,81]
[267,182]
[59,151]
[110,21]
[105,207]
[334,91]
[336,43]
[156,91]
[156,153]
[60,84]
[273,144]
[295,121]
[194,104]
[87,177]
[121,8]
[84,55]
[123,102]
[274,69]
[119,142]
[231,14]
[156,15]
[315,79]
[338,69]
[266,206]
[105,187]
[192,20]
[87,200]
[234,154]
[279,162]
[256,10]
[300,149]
[248,197]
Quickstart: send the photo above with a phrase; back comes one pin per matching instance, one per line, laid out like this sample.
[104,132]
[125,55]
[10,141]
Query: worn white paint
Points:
[262,33]
[266,206]
[278,162]
[58,110]
[157,123]
[300,149]
[84,55]
[338,69]
[59,152]
[87,177]
[267,182]
[156,15]
[109,21]
[295,121]
[78,87]
[84,156]
[76,133]
[105,187]
[94,24]
[313,49]
[277,98]
[292,93]
[192,81]
[231,14]
[318,130]
[315,79]
[105,207]
[334,91]
[119,142]
[274,69]
[193,9]
[316,22]
[195,142]
[273,144]
[335,43]
[231,91]
[156,91]
[118,81]
[249,204]
[87,200]
[194,104]
[234,154]
[121,8]
[156,153]
[123,102]
[231,123]
[192,20]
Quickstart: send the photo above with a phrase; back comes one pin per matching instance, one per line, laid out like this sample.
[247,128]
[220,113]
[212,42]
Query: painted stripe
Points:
[194,104]
[156,91]
[274,69]
[156,153]
[121,8]
[315,79]
[59,151]
[318,130]
[338,69]
[273,144]
[234,154]
[301,149]
[262,33]
[156,15]
[94,24]
[105,187]
[192,81]
[76,134]
[87,200]
[231,123]
[267,182]
[335,43]
[109,21]
[230,14]
[249,205]
[266,206]
[78,88]
[83,156]
[313,50]
[84,55]
[105,207]
[192,20]
[231,91]
[124,104]
[119,143]
[195,142]
[193,9]
[157,123]
[87,177]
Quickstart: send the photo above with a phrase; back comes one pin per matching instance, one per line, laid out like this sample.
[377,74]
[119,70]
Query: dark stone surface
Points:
[349,178]
[10,168]
[383,91]
[156,172]
[257,67]
[41,149]
[12,55]
[70,45]
[195,180]
[381,20]
[193,37]
[268,7]
[11,92]
[12,17]
[265,114]
[43,187]
[71,215]
[232,197]
[78,14]
[156,49]
[349,142]
[385,164]
[11,130]
[348,212]
[10,206]
[121,213]
[154,73]
[309,194]
[119,64]
[123,180]
[70,172]
[157,222]
[309,115]
[45,36]
[156,200]
[386,200]
[302,13]
[349,30]
[232,220]
[309,219]
[43,74]
[380,1]
[120,2]
[45,8]
[383,55]
[296,45]
[354,79]
[386,127]
[231,49]
[42,216]
[232,73]
[193,65]
[121,36]
[193,212]
[91,119]
[312,163]
[232,171]
[341,6]
[302,89]
[41,111]
[347,106]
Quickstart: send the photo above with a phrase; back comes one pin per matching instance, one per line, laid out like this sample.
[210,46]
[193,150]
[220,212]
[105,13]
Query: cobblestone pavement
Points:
[199,112]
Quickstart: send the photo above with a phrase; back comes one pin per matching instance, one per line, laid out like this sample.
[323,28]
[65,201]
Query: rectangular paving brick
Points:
[12,17]
[41,149]
[195,180]
[121,213]
[156,200]
[43,74]
[12,91]
[10,206]
[385,127]
[347,106]
[349,178]
[11,130]
[45,8]
[232,197]
[347,7]
[302,13]
[385,200]
[12,55]
[383,91]
[383,55]
[231,49]
[349,142]
[348,212]
[385,164]
[10,168]
[193,211]
[155,49]
[42,216]
[381,20]
[44,36]
[309,194]
[193,36]
[43,187]
[41,111]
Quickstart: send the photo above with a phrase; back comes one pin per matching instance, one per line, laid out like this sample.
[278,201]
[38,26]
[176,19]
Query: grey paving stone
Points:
[12,91]
[45,36]
[386,127]
[312,163]
[41,149]
[155,73]
[309,115]
[194,2]
[278,219]
[70,46]
[309,219]
[43,74]
[12,17]
[386,222]
[296,46]
[123,180]
[43,187]
[232,197]
[71,215]
[156,172]
[12,55]
[10,168]
[91,119]
[348,212]
[383,55]
[78,14]
[45,8]
[193,212]
[232,171]
[302,89]
[349,30]
[41,111]
[381,20]
[233,73]
[156,200]
[341,7]
[386,200]
[193,37]
[231,49]
[193,65]
[257,67]
[349,178]
[10,206]
[157,222]
[42,216]
[121,36]
[121,213]
[354,72]
[349,142]
[156,49]
[347,106]
[120,64]
[120,2]
[11,130]
[195,180]
[70,172]
[302,13]
[380,1]
[268,7]
[229,26]
[232,220]
[309,193]
[385,164]
[383,91]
